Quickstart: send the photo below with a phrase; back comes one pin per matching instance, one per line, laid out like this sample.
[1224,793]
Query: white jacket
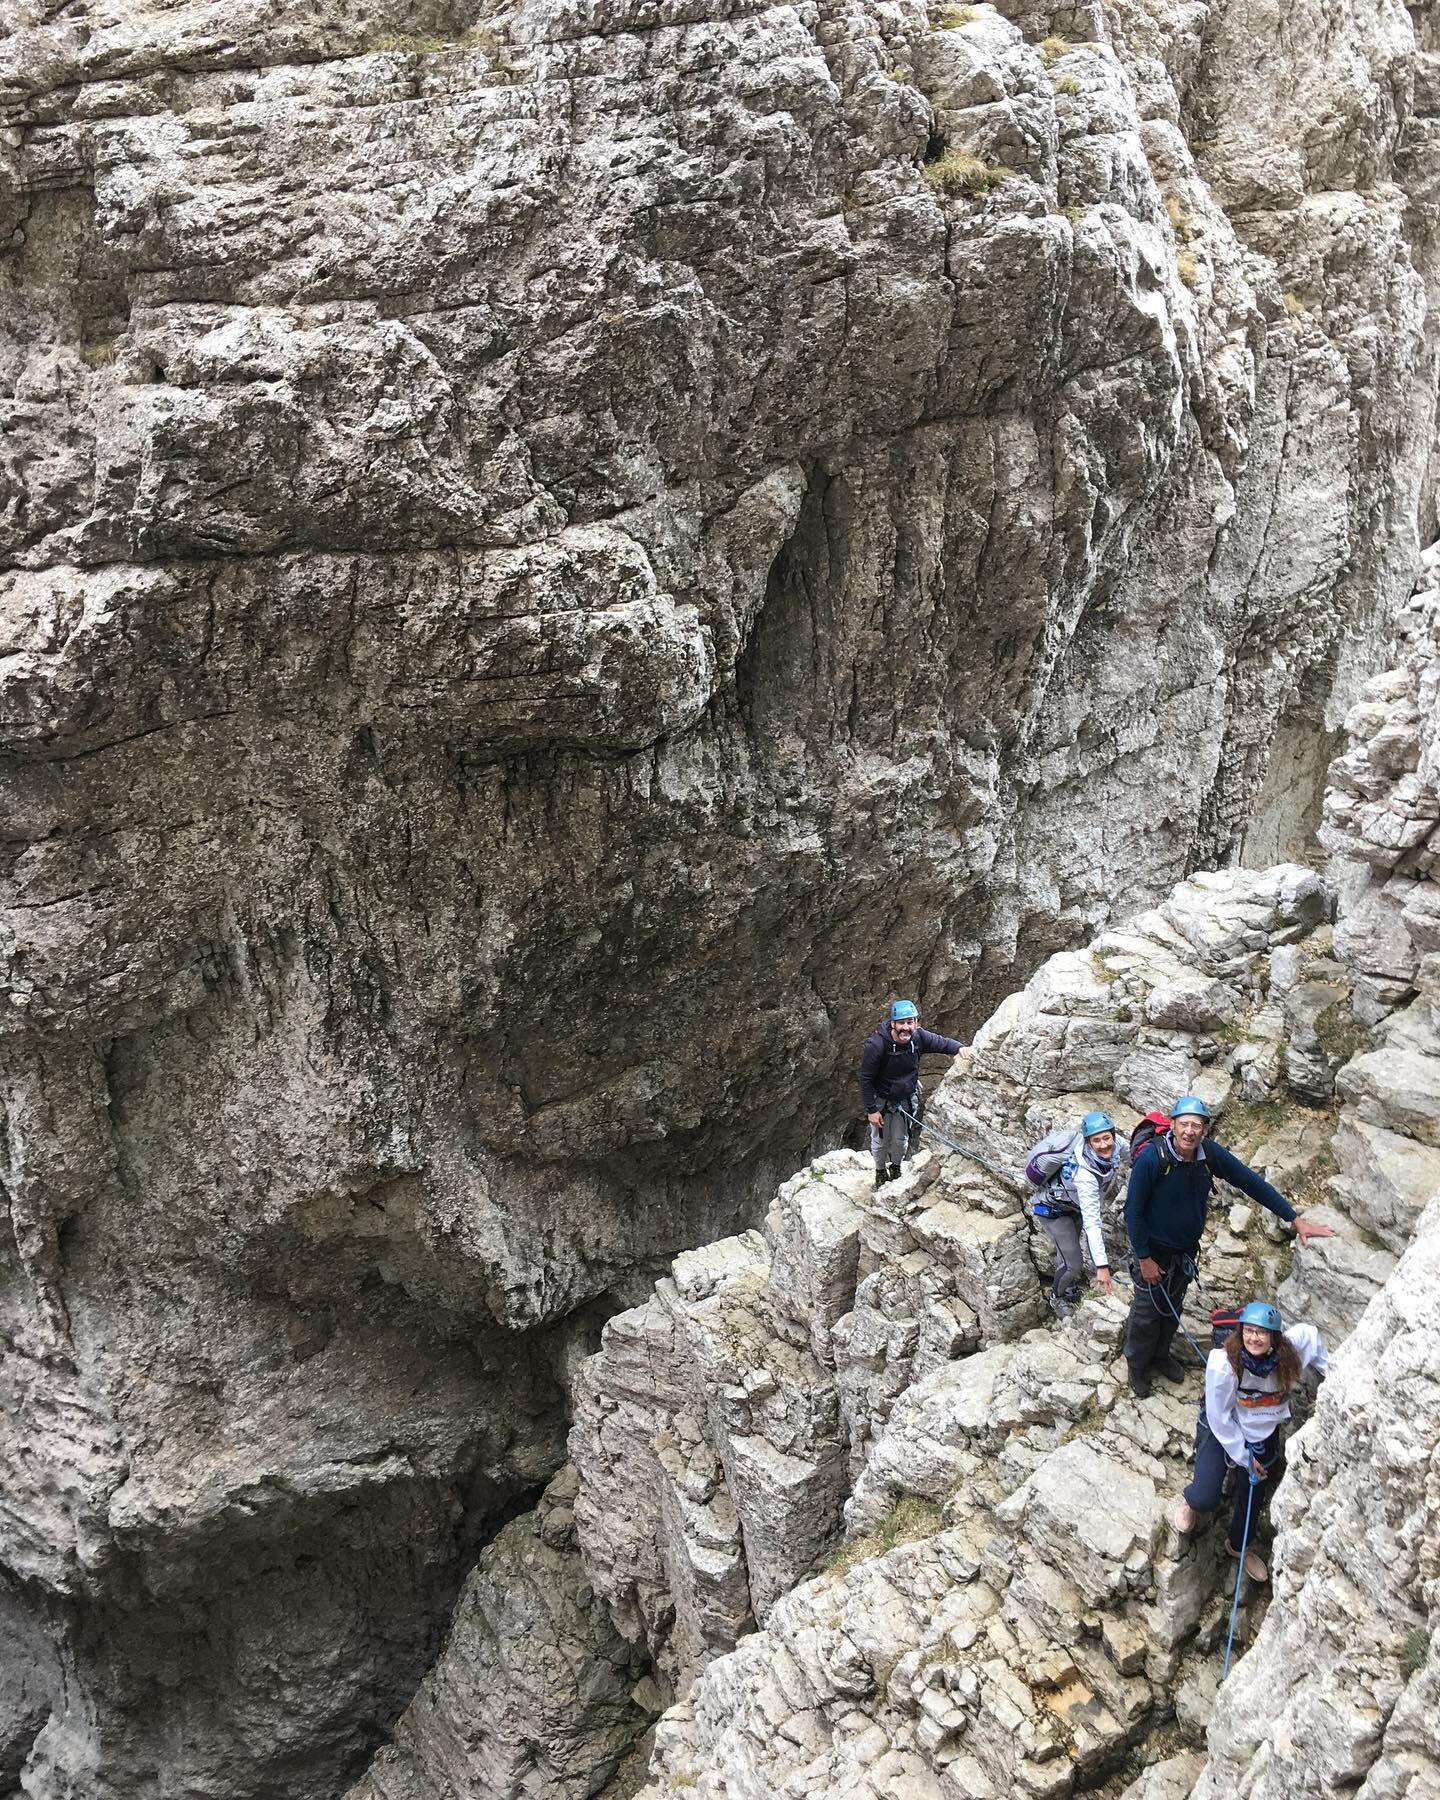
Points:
[1246,1411]
[1081,1184]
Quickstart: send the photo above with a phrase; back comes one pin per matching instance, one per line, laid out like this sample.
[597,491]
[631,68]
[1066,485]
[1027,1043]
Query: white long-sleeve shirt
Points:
[1085,1189]
[1246,1411]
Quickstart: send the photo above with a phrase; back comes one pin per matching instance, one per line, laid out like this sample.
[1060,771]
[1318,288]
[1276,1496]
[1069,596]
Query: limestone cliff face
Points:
[549,560]
[880,1536]
[1357,1606]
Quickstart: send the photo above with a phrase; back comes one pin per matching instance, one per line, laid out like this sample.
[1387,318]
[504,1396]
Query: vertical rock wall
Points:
[549,560]
[1339,1695]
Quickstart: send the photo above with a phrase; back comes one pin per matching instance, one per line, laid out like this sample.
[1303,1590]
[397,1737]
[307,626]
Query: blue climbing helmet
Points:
[1262,1313]
[904,1009]
[1189,1106]
[1094,1123]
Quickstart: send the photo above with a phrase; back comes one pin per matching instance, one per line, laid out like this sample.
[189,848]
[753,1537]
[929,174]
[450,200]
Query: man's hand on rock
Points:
[876,1119]
[1107,1286]
[1305,1229]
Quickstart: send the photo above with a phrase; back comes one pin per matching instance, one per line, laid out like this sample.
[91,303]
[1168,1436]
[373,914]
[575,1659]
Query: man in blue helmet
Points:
[1165,1210]
[890,1082]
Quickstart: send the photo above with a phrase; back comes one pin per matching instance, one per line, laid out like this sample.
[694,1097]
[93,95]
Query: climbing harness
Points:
[960,1150]
[1244,1546]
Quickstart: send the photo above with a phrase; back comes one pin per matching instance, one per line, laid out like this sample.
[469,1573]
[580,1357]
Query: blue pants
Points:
[1211,1464]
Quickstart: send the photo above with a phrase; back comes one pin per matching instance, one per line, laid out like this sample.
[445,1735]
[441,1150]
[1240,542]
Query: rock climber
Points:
[1248,1382]
[1165,1206]
[1069,1205]
[890,1080]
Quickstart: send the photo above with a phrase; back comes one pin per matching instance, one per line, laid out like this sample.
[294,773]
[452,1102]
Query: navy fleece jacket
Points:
[1165,1208]
[889,1071]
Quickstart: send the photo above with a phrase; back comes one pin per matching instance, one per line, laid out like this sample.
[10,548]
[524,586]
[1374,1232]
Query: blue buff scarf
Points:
[1260,1365]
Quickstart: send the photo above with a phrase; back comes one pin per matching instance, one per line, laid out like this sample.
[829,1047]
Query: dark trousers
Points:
[1155,1312]
[1211,1463]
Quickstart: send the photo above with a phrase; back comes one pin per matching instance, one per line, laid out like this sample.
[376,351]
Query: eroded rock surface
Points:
[932,1538]
[547,562]
[1358,1582]
[535,1695]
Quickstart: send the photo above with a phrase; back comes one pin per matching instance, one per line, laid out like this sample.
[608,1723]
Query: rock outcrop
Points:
[549,559]
[1009,1609]
[1339,1695]
[564,1696]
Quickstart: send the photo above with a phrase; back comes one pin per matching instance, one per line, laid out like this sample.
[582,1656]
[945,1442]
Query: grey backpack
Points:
[1048,1157]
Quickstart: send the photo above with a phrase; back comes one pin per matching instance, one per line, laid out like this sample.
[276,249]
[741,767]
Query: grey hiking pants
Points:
[1064,1232]
[890,1142]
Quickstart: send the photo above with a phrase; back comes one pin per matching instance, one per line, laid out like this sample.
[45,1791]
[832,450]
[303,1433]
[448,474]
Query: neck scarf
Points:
[1260,1365]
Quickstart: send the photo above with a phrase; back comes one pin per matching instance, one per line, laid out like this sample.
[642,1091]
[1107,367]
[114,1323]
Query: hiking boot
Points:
[1168,1368]
[1139,1382]
[1254,1565]
[882,1175]
[1184,1518]
[895,1171]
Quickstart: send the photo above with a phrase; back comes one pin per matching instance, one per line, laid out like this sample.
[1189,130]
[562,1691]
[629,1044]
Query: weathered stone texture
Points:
[545,566]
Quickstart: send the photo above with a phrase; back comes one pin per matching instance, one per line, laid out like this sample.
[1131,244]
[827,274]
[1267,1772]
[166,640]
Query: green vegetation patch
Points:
[910,1519]
[1340,1035]
[961,172]
[394,43]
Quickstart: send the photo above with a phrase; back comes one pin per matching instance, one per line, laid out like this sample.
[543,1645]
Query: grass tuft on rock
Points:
[1179,219]
[1053,48]
[395,43]
[1339,1034]
[1187,267]
[909,1519]
[954,17]
[962,172]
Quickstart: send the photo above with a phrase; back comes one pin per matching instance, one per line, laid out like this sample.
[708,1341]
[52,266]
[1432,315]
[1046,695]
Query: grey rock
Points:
[533,1693]
[515,537]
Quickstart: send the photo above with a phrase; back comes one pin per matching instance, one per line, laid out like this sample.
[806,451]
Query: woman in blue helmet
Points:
[1069,1207]
[1248,1382]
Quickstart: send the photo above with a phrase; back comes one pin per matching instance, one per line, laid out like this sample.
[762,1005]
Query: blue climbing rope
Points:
[1244,1546]
[1170,1308]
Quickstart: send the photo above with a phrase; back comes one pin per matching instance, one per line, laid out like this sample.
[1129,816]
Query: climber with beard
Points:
[1068,1206]
[1248,1382]
[1165,1208]
[890,1083]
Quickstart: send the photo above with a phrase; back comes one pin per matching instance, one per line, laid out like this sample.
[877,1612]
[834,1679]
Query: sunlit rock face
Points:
[549,562]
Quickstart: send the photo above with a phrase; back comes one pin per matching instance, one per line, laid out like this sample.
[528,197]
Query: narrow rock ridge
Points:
[880,1535]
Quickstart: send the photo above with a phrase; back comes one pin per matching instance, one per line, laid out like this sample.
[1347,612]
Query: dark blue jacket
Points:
[891,1071]
[1166,1201]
